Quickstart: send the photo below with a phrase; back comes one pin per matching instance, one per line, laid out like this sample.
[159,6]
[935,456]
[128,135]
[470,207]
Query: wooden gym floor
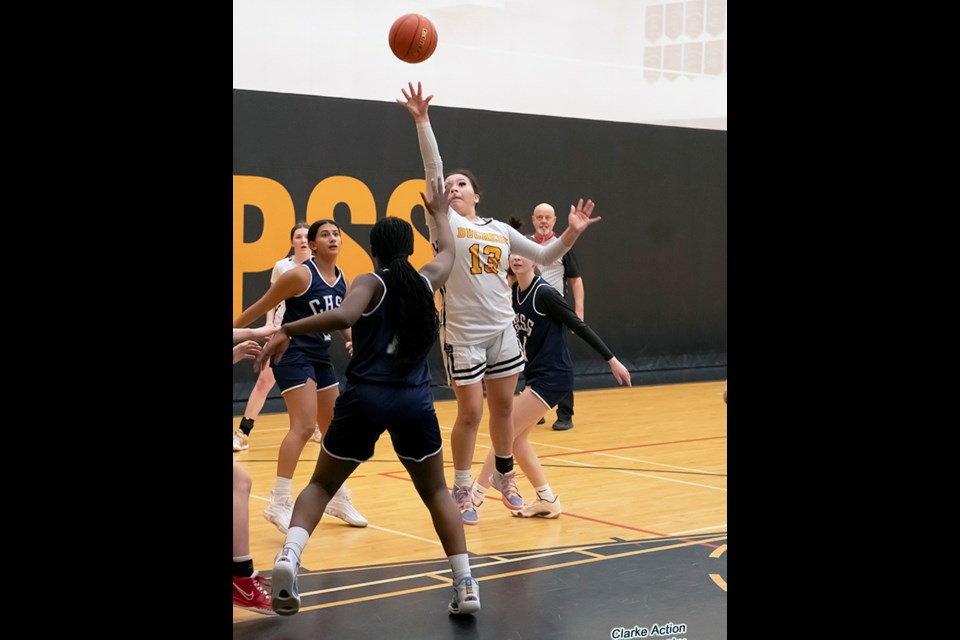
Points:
[641,543]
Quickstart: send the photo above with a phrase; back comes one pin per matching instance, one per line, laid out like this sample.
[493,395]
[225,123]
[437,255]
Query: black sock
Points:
[246,425]
[504,465]
[243,569]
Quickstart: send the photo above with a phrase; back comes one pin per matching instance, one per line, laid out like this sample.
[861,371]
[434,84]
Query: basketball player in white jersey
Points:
[476,333]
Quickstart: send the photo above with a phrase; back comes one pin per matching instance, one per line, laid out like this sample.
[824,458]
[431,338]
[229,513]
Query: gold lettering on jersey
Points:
[463,232]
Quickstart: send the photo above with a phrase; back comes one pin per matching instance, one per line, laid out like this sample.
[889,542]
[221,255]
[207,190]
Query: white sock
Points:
[296,540]
[282,487]
[460,564]
[545,492]
[243,558]
[461,478]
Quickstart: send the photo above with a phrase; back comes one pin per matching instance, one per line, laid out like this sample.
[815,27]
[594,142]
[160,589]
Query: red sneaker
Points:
[252,594]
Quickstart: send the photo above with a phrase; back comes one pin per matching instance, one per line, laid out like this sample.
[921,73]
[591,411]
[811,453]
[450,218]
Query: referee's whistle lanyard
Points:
[539,240]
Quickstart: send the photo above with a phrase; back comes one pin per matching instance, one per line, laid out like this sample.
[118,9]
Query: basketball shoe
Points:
[279,510]
[285,597]
[463,496]
[240,441]
[506,484]
[252,594]
[341,506]
[541,508]
[466,596]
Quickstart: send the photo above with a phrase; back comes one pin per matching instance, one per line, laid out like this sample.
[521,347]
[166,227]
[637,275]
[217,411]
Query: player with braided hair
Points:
[394,321]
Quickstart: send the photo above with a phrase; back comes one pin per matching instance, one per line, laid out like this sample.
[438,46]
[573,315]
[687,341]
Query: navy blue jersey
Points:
[541,316]
[318,297]
[374,344]
[540,333]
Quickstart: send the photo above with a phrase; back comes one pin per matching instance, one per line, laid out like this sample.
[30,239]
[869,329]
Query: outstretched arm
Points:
[578,221]
[246,350]
[347,334]
[539,253]
[253,334]
[418,106]
[439,269]
[548,300]
[292,283]
[365,288]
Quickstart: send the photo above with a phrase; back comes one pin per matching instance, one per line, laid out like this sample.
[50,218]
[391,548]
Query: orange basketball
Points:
[413,38]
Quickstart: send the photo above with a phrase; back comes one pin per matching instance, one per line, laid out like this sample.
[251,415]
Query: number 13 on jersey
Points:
[490,263]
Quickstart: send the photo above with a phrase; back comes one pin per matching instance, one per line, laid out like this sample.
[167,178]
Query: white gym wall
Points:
[642,61]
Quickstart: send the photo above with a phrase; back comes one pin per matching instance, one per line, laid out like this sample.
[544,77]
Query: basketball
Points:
[413,38]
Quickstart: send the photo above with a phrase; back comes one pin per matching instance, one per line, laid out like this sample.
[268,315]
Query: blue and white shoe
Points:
[284,595]
[506,484]
[463,496]
[466,596]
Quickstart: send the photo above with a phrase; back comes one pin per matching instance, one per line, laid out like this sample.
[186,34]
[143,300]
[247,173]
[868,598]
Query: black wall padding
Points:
[655,267]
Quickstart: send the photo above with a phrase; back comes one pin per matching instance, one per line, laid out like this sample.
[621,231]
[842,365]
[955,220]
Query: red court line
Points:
[390,474]
[624,526]
[621,448]
[448,465]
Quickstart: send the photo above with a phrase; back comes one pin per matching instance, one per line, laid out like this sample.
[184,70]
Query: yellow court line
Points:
[501,575]
[689,531]
[391,565]
[716,553]
[720,581]
[497,561]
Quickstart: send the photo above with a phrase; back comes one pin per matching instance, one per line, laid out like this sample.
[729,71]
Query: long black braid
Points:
[412,311]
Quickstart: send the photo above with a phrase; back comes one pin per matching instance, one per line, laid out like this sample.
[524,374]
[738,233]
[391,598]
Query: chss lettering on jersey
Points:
[329,303]
[524,328]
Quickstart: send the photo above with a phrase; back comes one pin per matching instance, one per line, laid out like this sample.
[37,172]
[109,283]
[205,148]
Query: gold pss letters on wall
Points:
[279,216]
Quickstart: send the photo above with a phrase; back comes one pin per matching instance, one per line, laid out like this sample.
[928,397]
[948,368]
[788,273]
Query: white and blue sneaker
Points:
[463,496]
[506,484]
[466,596]
[284,595]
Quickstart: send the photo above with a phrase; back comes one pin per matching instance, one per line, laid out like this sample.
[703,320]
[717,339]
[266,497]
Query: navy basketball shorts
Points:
[551,387]
[365,410]
[296,367]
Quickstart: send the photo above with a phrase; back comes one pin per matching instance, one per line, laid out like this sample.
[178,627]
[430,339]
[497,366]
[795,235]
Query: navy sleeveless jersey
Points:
[540,333]
[318,297]
[374,344]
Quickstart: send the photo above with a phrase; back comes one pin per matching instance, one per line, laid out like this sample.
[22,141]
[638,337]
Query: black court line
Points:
[578,591]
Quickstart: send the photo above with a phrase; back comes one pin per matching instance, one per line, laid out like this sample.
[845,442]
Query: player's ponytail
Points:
[411,311]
